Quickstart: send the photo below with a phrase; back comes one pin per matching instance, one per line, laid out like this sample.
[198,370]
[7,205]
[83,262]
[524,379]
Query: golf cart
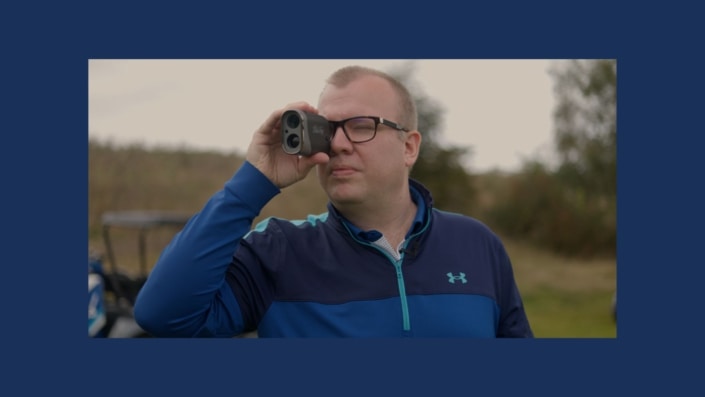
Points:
[112,291]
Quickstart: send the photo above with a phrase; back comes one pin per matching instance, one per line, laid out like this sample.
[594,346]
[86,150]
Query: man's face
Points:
[370,172]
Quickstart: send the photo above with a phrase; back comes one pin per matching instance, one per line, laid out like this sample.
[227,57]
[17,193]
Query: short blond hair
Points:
[407,105]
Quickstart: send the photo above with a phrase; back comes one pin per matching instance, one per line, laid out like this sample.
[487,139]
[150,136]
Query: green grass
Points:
[557,314]
[565,297]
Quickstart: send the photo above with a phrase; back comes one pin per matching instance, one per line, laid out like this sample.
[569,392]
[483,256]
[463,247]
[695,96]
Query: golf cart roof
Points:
[143,219]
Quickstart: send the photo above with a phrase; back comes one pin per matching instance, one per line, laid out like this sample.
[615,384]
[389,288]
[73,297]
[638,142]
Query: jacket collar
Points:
[419,194]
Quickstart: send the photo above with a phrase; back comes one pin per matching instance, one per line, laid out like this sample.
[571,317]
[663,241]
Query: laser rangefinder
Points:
[305,133]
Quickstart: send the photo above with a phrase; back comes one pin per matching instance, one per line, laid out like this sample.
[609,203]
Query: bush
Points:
[534,205]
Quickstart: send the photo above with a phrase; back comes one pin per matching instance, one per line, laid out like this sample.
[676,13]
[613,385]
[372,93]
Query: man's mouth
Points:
[341,171]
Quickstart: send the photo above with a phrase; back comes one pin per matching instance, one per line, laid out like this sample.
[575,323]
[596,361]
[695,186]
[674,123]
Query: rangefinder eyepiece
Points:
[304,133]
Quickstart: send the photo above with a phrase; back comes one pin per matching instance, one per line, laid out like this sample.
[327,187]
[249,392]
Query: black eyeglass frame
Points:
[378,120]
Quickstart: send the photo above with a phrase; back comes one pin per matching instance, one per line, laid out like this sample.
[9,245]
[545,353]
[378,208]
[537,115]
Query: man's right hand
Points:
[266,154]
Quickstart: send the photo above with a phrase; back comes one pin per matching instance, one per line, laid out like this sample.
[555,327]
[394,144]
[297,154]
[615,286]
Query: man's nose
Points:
[340,142]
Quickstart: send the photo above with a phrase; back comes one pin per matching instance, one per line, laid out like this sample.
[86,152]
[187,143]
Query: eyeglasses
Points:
[361,129]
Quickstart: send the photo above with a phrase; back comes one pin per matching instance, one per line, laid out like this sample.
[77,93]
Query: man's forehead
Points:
[362,81]
[367,90]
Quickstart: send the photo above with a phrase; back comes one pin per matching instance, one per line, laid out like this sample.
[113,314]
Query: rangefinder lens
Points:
[293,121]
[293,140]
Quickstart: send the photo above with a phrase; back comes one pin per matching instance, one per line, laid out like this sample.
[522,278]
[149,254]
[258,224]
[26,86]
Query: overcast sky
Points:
[500,108]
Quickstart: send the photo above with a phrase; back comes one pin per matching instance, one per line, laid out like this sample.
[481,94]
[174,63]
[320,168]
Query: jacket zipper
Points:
[402,292]
[406,322]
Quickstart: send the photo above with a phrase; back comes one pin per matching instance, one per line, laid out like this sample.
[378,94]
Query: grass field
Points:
[565,297]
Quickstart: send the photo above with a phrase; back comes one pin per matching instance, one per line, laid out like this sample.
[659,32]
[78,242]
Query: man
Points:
[382,262]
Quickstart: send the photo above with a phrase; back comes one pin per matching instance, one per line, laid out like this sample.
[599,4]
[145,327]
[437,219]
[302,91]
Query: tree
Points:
[586,124]
[440,168]
[571,209]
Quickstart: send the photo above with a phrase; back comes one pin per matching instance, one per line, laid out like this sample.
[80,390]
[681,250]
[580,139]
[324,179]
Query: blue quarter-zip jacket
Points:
[323,277]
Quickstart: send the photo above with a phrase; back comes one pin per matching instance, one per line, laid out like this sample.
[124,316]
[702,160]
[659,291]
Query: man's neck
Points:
[393,219]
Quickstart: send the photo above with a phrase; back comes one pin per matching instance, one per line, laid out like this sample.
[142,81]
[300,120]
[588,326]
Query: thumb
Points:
[307,162]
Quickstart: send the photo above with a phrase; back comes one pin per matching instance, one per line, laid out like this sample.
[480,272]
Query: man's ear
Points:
[412,145]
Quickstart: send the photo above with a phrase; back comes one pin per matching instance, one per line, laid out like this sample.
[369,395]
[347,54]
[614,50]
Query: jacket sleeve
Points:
[186,294]
[513,322]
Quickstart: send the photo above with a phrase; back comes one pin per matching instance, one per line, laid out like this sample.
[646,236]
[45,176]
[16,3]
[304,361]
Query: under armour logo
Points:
[452,277]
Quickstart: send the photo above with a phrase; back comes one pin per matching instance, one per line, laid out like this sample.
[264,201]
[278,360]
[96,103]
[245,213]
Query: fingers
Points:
[266,154]
[301,105]
[304,106]
[304,164]
[308,162]
[318,158]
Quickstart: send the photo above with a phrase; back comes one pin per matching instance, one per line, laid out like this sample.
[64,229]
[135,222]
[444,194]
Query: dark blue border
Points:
[44,83]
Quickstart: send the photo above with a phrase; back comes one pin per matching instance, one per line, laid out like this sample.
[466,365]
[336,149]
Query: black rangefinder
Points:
[305,133]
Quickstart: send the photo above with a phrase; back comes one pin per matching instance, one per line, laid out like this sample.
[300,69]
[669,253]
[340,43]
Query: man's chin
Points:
[343,193]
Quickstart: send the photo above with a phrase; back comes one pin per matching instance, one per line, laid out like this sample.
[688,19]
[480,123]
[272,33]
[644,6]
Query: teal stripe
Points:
[311,219]
[406,326]
[402,295]
[400,275]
